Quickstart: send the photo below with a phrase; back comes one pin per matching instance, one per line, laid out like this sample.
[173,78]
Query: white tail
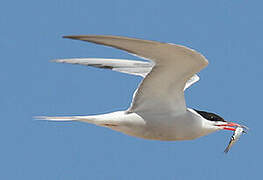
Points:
[56,118]
[109,120]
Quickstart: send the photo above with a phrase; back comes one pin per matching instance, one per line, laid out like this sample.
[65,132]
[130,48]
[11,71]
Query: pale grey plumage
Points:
[158,110]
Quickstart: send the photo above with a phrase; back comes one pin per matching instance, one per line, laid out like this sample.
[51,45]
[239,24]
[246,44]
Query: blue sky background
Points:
[228,33]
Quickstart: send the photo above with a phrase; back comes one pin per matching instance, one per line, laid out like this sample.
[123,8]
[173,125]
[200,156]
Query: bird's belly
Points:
[162,127]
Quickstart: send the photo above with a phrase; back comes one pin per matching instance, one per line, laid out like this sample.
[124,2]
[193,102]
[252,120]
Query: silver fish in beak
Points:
[234,138]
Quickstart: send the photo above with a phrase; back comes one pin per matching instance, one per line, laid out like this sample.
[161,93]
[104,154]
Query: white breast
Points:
[162,126]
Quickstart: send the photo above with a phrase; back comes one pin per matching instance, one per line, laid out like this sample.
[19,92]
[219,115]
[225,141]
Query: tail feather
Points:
[57,118]
[108,120]
[89,119]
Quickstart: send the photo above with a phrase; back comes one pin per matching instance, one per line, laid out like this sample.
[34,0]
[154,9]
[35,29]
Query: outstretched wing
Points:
[139,68]
[162,89]
[133,67]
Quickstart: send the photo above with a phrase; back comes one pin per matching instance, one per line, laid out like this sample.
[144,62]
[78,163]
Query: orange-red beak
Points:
[230,126]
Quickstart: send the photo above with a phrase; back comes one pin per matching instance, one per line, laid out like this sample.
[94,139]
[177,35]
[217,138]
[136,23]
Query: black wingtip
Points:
[70,37]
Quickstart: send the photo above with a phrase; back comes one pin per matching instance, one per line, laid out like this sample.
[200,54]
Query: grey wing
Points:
[162,88]
[139,68]
[133,67]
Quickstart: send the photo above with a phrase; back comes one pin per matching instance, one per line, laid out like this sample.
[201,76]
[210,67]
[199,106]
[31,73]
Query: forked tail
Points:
[109,120]
[65,118]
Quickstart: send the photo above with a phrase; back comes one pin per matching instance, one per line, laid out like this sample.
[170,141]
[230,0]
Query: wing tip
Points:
[62,61]
[71,36]
[80,37]
[71,61]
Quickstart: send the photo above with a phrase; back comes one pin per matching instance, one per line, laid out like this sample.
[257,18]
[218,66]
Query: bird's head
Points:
[215,122]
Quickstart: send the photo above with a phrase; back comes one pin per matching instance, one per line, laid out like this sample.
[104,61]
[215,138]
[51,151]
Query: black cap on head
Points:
[210,116]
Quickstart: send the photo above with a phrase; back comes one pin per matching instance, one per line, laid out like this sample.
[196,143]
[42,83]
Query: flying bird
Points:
[158,110]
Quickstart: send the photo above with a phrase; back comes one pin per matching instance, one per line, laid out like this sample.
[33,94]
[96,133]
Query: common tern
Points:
[158,110]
